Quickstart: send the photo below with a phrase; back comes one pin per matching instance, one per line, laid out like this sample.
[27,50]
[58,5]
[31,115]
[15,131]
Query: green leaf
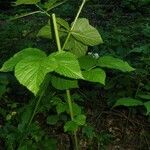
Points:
[27,2]
[63,23]
[128,102]
[80,120]
[76,109]
[61,107]
[87,62]
[45,32]
[62,83]
[49,144]
[85,33]
[11,63]
[70,126]
[76,47]
[147,106]
[49,4]
[24,147]
[31,71]
[114,63]
[67,65]
[52,120]
[95,75]
[53,3]
[89,132]
[145,96]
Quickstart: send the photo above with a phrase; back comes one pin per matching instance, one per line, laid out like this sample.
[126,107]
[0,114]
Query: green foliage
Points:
[95,75]
[147,106]
[62,83]
[85,33]
[66,68]
[27,2]
[76,47]
[114,63]
[128,102]
[52,120]
[28,52]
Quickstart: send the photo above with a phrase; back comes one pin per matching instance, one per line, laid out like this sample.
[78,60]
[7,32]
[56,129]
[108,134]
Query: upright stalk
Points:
[67,91]
[72,116]
[56,32]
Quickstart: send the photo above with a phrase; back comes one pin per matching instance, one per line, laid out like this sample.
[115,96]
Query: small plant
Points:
[33,68]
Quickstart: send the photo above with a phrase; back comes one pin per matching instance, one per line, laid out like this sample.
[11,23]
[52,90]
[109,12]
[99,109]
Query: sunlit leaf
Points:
[31,71]
[28,52]
[85,33]
[67,65]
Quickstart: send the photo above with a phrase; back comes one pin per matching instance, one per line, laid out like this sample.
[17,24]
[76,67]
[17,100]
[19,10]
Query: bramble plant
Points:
[65,67]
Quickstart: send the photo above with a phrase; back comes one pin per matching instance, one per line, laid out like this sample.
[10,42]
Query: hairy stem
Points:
[56,32]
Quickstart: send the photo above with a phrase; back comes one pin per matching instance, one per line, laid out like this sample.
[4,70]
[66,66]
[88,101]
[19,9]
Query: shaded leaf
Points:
[27,2]
[52,120]
[128,102]
[95,75]
[87,62]
[76,47]
[114,63]
[147,106]
[62,83]
[61,107]
[70,126]
[80,119]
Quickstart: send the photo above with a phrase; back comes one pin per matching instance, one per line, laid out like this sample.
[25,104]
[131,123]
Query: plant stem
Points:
[43,10]
[36,107]
[72,116]
[25,15]
[74,22]
[67,91]
[56,32]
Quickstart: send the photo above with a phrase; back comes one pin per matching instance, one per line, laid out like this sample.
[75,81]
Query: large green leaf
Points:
[95,75]
[85,33]
[62,83]
[27,2]
[67,65]
[31,71]
[147,106]
[127,101]
[28,52]
[76,47]
[114,63]
[87,62]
